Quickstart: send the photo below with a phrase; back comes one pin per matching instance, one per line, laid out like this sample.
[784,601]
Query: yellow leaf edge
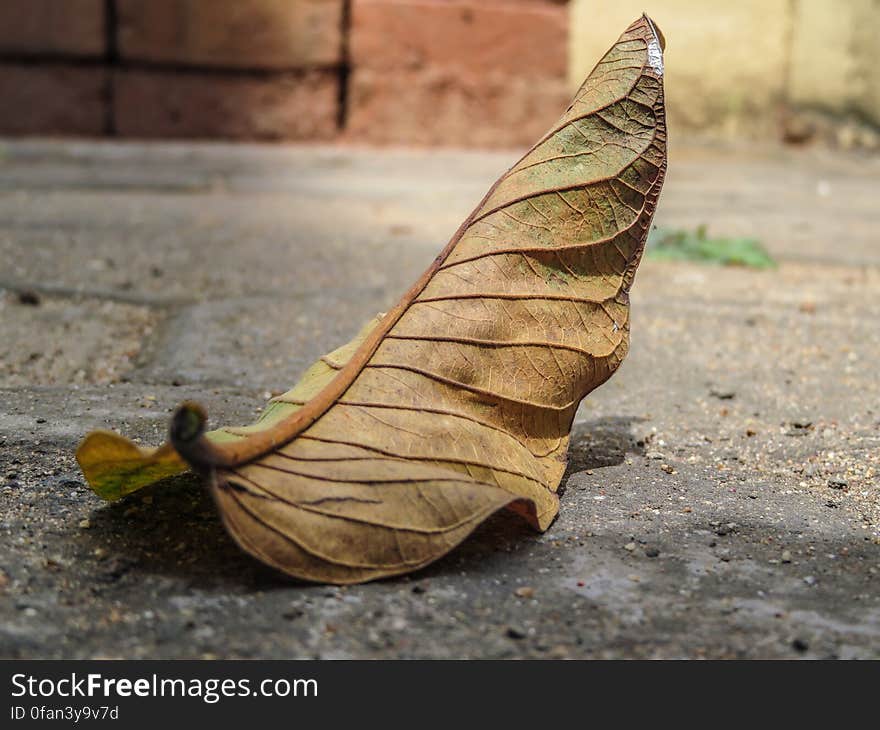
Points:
[114,466]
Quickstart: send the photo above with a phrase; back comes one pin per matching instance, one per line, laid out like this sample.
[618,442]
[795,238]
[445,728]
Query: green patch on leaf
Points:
[666,244]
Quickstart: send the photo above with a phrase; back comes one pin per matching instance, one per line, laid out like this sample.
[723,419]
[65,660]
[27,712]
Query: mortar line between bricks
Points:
[145,300]
[68,292]
[151,349]
[344,66]
[112,55]
[165,67]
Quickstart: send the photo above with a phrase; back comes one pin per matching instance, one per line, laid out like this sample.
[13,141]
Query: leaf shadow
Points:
[172,527]
[595,444]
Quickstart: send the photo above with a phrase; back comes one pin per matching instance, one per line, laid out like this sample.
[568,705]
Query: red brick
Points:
[52,99]
[50,27]
[284,105]
[456,72]
[474,36]
[433,107]
[257,34]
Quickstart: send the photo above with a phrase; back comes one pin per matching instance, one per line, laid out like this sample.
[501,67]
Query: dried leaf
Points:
[114,466]
[460,400]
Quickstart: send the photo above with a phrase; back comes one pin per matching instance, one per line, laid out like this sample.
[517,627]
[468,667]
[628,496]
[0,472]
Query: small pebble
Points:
[525,592]
[810,580]
[837,483]
[85,524]
[722,394]
[29,297]
[807,307]
[668,469]
[629,547]
[514,632]
[652,552]
[786,556]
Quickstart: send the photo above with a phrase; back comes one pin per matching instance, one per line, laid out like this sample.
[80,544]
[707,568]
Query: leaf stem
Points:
[187,435]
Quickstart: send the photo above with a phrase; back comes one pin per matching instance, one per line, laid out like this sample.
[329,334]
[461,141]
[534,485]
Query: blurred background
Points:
[466,73]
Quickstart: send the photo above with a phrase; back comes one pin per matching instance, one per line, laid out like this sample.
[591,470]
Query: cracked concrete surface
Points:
[723,498]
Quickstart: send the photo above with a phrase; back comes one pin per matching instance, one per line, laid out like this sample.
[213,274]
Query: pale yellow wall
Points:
[732,67]
[866,44]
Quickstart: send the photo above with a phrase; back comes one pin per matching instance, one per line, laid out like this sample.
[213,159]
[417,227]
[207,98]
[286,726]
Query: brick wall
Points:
[456,72]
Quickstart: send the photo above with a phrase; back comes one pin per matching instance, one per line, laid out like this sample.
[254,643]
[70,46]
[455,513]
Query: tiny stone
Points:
[652,552]
[809,580]
[800,645]
[85,524]
[668,469]
[29,297]
[786,556]
[655,455]
[514,632]
[807,307]
[722,394]
[837,483]
[630,546]
[525,592]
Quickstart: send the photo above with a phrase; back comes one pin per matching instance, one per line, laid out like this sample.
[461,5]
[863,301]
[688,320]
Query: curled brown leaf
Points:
[460,401]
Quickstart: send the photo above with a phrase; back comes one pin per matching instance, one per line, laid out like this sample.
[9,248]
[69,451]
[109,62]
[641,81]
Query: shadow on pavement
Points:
[172,527]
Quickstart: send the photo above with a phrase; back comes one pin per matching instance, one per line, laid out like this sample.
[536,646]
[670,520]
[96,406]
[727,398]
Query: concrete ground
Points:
[723,498]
